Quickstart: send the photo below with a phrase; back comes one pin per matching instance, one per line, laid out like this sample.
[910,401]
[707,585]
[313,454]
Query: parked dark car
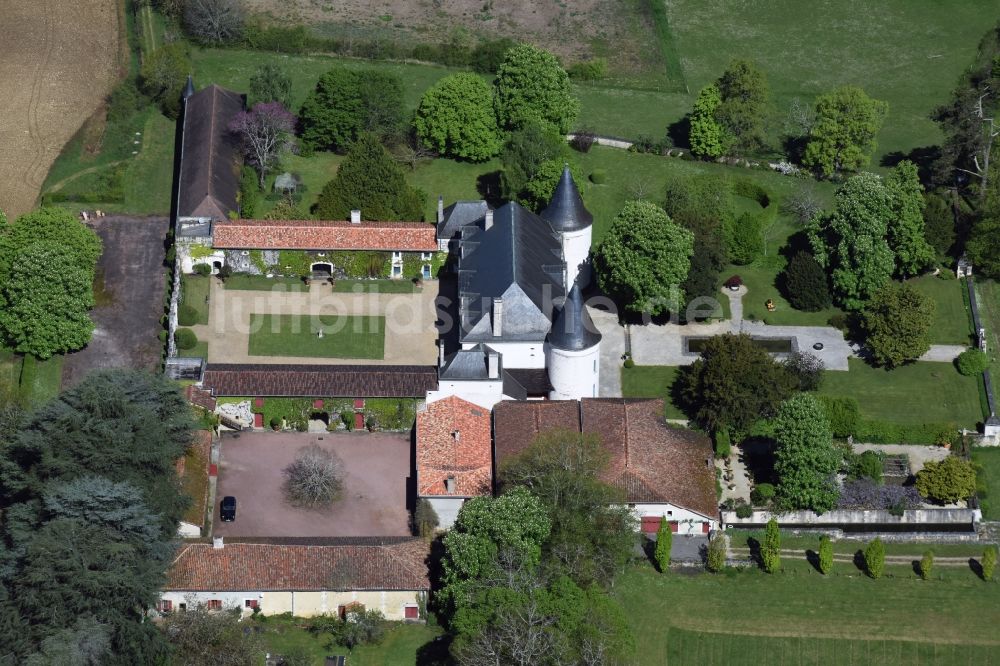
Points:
[227,510]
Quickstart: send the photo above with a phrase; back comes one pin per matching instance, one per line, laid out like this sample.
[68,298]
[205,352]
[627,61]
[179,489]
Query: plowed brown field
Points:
[60,58]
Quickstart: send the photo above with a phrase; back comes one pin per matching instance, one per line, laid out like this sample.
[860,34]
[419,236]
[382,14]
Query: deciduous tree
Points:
[743,110]
[706,134]
[939,223]
[842,137]
[644,258]
[271,83]
[347,103]
[897,324]
[531,86]
[532,161]
[456,117]
[805,459]
[314,478]
[906,224]
[264,133]
[983,246]
[734,384]
[203,638]
[950,480]
[163,74]
[214,21]
[369,180]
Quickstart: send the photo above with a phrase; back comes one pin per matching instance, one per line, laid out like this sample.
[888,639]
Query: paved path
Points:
[735,306]
[741,477]
[943,353]
[612,350]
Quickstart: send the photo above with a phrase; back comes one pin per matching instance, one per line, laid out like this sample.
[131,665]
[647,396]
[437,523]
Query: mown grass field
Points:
[988,300]
[798,617]
[987,461]
[917,393]
[952,317]
[195,291]
[344,336]
[651,381]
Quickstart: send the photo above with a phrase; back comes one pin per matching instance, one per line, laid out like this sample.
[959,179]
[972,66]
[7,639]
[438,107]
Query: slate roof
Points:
[466,364]
[323,235]
[454,439]
[209,170]
[519,259]
[320,381]
[566,211]
[329,564]
[458,215]
[572,327]
[530,381]
[650,461]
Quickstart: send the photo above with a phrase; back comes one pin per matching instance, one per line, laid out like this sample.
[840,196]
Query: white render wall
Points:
[574,374]
[482,393]
[301,604]
[517,355]
[446,509]
[576,250]
[688,521]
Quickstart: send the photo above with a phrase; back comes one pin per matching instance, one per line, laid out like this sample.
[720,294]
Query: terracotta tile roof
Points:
[358,564]
[199,397]
[323,235]
[650,461]
[454,440]
[320,381]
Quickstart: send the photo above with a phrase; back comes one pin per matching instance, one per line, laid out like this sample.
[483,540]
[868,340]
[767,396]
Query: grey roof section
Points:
[458,215]
[209,172]
[519,259]
[466,365]
[531,381]
[188,88]
[572,327]
[566,211]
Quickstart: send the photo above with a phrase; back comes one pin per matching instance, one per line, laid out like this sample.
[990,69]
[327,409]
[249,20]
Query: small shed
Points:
[286,183]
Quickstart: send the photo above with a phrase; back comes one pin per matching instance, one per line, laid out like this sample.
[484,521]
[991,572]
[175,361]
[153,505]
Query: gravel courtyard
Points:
[372,502]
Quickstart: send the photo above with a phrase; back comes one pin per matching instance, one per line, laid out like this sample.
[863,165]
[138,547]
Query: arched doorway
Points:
[322,270]
[216,266]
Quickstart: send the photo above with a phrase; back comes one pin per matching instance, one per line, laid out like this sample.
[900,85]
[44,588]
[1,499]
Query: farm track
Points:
[60,60]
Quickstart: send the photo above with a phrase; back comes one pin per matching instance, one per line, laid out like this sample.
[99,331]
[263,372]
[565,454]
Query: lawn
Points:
[952,318]
[839,619]
[314,172]
[651,381]
[909,54]
[988,473]
[374,286]
[344,336]
[911,394]
[195,290]
[400,645]
[40,380]
[988,299]
[262,283]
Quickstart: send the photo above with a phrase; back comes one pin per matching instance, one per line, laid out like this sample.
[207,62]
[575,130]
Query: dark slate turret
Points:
[566,211]
[188,88]
[572,327]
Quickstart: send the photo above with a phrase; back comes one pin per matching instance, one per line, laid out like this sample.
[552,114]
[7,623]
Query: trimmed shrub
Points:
[187,315]
[664,539]
[723,444]
[825,554]
[989,562]
[744,240]
[629,363]
[843,414]
[185,338]
[275,423]
[972,362]
[875,558]
[203,269]
[770,547]
[926,564]
[743,510]
[598,176]
[950,480]
[867,465]
[716,556]
[588,70]
[762,494]
[883,432]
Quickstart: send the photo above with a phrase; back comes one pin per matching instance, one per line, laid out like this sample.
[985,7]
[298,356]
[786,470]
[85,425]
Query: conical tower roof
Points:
[566,211]
[572,327]
[188,88]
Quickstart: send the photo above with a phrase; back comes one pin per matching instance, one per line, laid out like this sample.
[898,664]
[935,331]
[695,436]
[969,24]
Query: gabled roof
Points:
[466,365]
[650,461]
[320,381]
[572,327]
[458,215]
[209,170]
[519,259]
[323,235]
[566,211]
[454,440]
[329,564]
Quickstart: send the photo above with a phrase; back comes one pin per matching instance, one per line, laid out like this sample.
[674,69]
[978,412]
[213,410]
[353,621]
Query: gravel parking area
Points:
[372,502]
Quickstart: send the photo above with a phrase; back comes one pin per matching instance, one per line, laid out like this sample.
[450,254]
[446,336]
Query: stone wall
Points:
[961,519]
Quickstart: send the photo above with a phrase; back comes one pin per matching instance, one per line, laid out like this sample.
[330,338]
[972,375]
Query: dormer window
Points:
[449,485]
[426,256]
[397,256]
[456,435]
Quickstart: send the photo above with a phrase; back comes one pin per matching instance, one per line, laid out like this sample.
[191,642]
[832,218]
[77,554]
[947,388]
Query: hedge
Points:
[187,315]
[185,338]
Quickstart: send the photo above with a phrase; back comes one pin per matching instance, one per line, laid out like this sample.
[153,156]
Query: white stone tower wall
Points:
[574,374]
[576,250]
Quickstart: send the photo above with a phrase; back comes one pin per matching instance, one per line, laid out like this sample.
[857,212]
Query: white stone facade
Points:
[688,522]
[573,374]
[576,250]
[393,604]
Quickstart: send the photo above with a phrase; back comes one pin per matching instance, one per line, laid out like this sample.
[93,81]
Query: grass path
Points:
[68,179]
[889,559]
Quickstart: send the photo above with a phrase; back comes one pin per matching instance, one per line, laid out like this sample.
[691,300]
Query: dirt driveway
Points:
[60,58]
[372,502]
[129,290]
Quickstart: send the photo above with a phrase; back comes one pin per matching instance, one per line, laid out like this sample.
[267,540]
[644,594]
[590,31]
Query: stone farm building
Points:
[304,577]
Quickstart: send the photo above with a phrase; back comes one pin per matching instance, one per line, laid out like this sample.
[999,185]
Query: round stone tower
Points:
[574,224]
[573,351]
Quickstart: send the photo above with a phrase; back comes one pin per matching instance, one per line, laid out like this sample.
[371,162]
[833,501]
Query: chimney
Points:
[449,485]
[440,353]
[355,216]
[488,221]
[217,543]
[497,317]
[493,365]
[440,209]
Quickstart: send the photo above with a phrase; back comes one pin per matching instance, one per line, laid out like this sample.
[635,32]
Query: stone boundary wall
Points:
[960,518]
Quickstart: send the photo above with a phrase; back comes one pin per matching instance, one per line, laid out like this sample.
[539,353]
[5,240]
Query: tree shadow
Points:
[915,565]
[859,561]
[812,557]
[976,567]
[924,157]
[488,186]
[795,147]
[679,132]
[754,545]
[436,652]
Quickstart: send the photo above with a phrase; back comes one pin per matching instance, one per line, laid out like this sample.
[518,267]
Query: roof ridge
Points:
[211,144]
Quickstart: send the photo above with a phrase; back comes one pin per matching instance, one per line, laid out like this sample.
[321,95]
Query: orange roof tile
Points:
[323,235]
[454,440]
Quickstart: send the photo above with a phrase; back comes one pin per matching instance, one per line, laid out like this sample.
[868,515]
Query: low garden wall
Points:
[960,519]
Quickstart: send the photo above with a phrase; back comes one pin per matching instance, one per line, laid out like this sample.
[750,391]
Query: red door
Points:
[674,526]
[411,612]
[650,524]
[359,421]
[705,528]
